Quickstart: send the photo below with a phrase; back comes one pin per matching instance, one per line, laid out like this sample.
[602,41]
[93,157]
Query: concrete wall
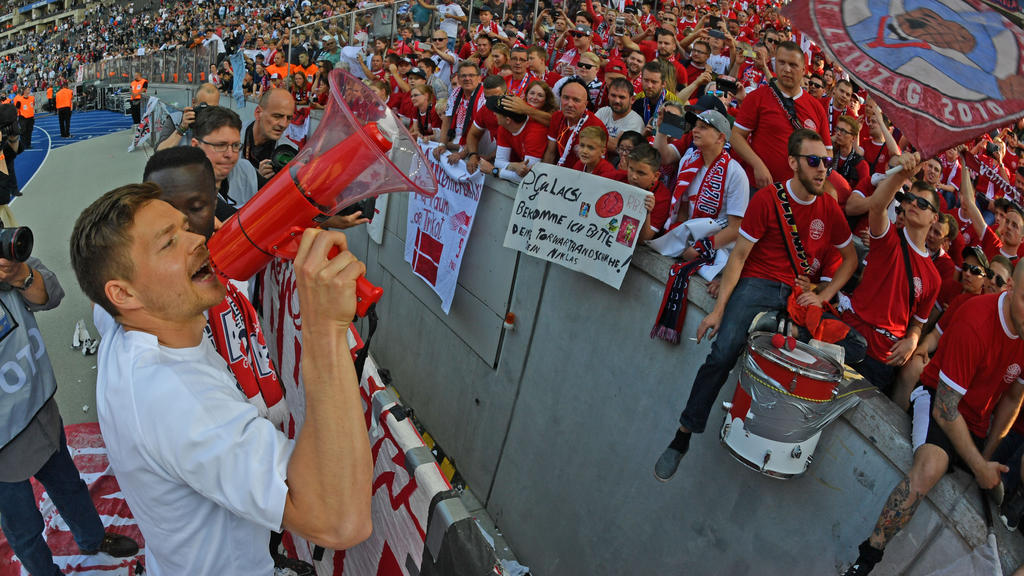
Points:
[556,426]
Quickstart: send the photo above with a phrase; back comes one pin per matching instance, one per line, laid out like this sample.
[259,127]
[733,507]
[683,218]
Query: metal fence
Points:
[381,20]
[180,66]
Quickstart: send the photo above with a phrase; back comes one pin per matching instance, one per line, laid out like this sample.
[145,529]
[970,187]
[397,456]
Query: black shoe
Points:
[115,545]
[1012,509]
[16,193]
[866,560]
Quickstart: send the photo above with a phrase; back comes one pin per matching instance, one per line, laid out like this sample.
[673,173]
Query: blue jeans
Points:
[751,296]
[23,524]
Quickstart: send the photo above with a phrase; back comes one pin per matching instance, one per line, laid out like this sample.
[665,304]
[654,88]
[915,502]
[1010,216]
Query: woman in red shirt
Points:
[419,109]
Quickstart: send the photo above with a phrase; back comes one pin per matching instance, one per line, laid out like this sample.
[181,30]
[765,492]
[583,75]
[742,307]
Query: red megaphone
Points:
[344,161]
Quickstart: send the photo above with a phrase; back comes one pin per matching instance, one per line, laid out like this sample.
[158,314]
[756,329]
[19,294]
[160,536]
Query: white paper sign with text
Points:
[438,227]
[584,222]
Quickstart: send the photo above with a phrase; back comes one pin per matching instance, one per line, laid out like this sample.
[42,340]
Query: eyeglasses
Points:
[585,66]
[223,146]
[845,131]
[440,39]
[813,160]
[921,201]
[624,150]
[974,270]
[699,52]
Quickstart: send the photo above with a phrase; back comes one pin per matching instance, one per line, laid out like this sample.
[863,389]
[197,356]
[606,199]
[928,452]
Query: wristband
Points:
[180,129]
[470,155]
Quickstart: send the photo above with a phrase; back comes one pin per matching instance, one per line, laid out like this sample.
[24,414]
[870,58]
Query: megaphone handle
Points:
[366,293]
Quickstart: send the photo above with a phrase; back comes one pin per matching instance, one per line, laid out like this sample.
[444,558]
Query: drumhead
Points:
[804,359]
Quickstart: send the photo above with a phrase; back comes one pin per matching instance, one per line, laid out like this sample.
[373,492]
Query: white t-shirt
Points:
[203,473]
[737,190]
[450,25]
[631,121]
[718,64]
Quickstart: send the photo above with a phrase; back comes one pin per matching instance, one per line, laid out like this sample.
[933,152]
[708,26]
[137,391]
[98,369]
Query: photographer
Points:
[32,441]
[273,114]
[181,135]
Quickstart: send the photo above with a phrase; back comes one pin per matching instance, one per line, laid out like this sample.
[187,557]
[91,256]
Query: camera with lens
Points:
[992,149]
[16,243]
[282,155]
[365,206]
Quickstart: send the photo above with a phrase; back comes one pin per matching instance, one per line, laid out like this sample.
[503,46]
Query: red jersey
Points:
[978,358]
[567,136]
[877,155]
[944,265]
[604,168]
[530,141]
[485,119]
[820,224]
[881,300]
[662,204]
[947,317]
[518,87]
[762,115]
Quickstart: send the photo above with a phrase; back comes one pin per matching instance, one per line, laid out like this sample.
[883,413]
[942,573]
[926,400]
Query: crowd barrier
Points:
[179,66]
[420,525]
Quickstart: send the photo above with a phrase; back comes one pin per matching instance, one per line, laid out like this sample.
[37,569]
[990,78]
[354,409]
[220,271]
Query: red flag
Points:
[944,71]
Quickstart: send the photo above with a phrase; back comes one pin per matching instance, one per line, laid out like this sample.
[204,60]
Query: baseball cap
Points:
[708,102]
[977,252]
[328,38]
[417,71]
[712,118]
[583,29]
[275,76]
[615,67]
[484,8]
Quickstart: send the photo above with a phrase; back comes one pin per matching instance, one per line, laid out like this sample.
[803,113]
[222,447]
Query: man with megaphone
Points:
[177,430]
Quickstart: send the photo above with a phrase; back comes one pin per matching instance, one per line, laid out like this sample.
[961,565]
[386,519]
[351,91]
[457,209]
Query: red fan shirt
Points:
[531,140]
[820,224]
[762,115]
[567,136]
[978,357]
[882,299]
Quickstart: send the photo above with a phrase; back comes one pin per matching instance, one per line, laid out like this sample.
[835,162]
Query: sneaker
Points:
[115,545]
[666,466]
[866,559]
[1012,509]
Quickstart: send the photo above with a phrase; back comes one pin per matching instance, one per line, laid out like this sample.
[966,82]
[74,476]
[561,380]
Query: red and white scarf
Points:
[707,203]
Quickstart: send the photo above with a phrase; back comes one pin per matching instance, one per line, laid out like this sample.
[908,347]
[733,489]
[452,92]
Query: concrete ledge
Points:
[955,499]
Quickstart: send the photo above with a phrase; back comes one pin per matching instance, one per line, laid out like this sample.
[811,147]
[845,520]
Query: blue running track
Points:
[46,137]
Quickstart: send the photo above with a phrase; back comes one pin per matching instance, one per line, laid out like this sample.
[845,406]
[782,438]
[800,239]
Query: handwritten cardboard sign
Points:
[584,222]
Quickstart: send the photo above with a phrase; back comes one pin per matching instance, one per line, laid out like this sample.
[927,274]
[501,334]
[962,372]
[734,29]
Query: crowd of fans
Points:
[703,104]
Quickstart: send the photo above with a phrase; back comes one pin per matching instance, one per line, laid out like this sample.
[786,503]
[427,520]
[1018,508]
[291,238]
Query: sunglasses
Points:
[999,280]
[585,66]
[439,39]
[921,202]
[578,34]
[816,86]
[718,93]
[974,270]
[770,41]
[813,160]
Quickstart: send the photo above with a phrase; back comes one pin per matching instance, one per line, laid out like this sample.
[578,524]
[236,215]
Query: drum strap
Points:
[787,225]
[910,277]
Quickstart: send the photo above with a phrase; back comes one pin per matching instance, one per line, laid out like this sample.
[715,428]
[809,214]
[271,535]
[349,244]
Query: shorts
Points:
[924,429]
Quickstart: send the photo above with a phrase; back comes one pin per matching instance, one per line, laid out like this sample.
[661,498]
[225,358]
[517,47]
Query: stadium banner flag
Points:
[944,71]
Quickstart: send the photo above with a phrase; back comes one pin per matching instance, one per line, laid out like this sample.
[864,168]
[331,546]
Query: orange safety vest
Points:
[138,86]
[26,106]
[64,97]
[49,93]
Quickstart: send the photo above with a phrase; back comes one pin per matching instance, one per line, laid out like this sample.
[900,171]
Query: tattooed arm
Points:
[1005,414]
[947,416]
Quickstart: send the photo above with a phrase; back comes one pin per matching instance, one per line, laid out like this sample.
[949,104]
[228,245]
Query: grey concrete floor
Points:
[70,178]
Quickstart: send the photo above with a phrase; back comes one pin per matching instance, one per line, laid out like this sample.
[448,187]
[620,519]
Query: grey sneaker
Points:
[666,466]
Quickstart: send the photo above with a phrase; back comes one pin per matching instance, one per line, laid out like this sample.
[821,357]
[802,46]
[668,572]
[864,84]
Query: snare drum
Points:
[774,420]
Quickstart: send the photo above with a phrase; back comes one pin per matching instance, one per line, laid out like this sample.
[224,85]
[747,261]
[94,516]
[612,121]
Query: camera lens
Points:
[16,243]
